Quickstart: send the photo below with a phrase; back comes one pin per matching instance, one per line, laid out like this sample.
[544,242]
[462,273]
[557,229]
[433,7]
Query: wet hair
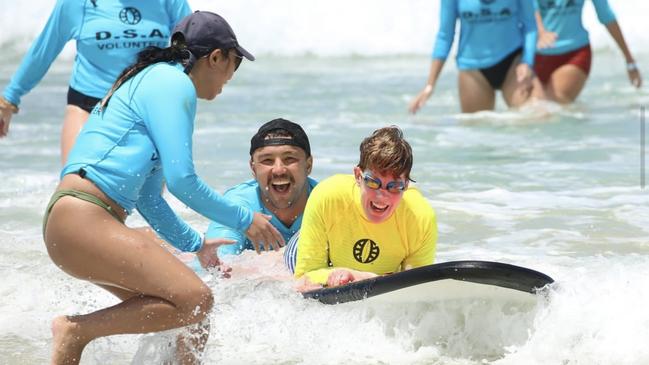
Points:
[386,152]
[177,52]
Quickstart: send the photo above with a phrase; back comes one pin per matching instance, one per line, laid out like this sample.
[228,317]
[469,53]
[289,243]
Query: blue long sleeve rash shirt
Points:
[563,17]
[489,31]
[108,35]
[144,137]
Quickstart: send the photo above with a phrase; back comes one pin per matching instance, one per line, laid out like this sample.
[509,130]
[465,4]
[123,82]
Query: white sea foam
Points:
[558,193]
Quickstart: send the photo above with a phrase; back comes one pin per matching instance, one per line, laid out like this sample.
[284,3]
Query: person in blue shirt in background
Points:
[280,161]
[495,52]
[564,54]
[138,138]
[108,34]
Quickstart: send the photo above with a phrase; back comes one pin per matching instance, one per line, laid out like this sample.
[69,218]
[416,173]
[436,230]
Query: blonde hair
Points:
[387,152]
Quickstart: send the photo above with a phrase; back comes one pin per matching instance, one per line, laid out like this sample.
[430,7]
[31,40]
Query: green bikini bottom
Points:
[79,195]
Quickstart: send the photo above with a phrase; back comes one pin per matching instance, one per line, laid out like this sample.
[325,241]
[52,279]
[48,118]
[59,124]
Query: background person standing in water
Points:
[141,136]
[564,53]
[495,52]
[108,34]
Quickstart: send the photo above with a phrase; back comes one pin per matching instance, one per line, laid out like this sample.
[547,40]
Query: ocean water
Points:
[557,189]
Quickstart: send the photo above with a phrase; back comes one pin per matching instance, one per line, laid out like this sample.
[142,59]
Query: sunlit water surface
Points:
[551,188]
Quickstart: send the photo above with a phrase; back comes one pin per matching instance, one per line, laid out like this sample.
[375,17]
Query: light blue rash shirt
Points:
[564,18]
[489,31]
[108,35]
[144,137]
[248,194]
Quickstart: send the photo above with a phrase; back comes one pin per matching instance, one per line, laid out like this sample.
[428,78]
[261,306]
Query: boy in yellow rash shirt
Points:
[369,223]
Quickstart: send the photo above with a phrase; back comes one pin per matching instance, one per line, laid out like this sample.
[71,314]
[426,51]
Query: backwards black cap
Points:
[204,31]
[297,136]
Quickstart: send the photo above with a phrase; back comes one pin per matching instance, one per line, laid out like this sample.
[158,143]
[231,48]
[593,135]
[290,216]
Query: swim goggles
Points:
[394,187]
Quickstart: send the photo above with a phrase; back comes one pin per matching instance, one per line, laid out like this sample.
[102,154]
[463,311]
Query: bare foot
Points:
[66,342]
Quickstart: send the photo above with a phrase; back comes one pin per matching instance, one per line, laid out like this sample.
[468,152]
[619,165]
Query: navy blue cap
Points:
[297,137]
[204,31]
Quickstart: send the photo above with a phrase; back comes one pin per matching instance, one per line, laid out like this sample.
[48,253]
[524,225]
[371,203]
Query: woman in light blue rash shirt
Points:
[138,137]
[108,34]
[564,55]
[495,52]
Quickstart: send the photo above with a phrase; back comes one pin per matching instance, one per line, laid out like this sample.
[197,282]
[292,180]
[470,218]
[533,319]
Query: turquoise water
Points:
[551,188]
[556,189]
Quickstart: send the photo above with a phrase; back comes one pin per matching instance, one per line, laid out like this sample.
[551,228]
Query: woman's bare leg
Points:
[73,121]
[475,92]
[516,93]
[167,294]
[190,344]
[566,83]
[538,89]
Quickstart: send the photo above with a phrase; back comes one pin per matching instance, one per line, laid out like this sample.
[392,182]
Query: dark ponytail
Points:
[177,52]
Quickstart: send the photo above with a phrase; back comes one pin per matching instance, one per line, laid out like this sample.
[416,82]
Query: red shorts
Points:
[545,65]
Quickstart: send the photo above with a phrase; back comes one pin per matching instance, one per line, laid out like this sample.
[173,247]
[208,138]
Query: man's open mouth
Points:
[280,186]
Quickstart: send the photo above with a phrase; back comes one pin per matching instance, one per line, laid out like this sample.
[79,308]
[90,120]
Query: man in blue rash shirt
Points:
[495,52]
[108,35]
[280,161]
